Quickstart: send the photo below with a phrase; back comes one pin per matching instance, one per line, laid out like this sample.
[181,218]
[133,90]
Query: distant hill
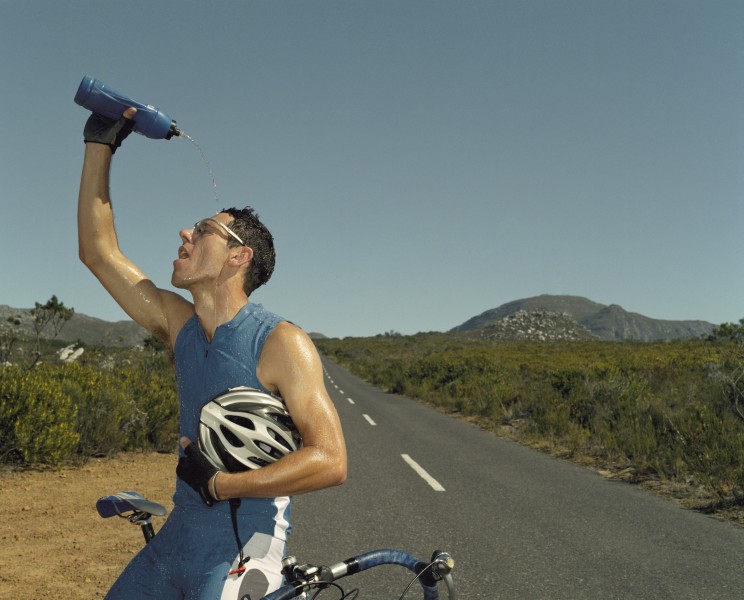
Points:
[92,331]
[605,322]
[545,317]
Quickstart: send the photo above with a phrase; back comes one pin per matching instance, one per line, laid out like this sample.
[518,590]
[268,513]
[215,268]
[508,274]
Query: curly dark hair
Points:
[255,235]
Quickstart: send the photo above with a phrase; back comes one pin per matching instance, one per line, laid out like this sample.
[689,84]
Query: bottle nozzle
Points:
[173,131]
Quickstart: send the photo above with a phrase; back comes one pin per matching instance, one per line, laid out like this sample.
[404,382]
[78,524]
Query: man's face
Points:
[203,253]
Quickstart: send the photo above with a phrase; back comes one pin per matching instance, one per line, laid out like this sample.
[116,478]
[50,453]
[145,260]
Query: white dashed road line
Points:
[433,483]
[436,486]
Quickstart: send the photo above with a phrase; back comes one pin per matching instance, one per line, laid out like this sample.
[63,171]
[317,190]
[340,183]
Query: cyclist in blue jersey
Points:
[219,340]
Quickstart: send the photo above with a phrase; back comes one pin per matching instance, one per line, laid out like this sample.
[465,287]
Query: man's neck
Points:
[215,311]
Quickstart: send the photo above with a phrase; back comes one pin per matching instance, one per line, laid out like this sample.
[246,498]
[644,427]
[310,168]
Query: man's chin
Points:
[177,282]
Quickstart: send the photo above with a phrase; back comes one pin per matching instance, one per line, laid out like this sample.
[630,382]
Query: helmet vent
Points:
[241,421]
[231,437]
[267,449]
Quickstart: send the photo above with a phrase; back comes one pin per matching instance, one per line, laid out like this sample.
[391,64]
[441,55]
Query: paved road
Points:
[518,523]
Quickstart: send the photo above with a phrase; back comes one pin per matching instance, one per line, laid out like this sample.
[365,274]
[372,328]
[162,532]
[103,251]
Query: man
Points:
[219,340]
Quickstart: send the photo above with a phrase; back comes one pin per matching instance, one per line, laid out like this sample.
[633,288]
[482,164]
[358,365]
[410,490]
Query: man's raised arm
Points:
[160,312]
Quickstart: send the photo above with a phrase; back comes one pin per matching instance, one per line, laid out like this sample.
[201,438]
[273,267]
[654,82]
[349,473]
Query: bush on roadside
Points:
[37,417]
[669,410]
[65,412]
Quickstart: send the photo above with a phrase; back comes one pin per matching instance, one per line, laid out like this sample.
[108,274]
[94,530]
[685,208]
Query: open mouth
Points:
[182,253]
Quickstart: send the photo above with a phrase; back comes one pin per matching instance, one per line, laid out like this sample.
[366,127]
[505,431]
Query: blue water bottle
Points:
[99,98]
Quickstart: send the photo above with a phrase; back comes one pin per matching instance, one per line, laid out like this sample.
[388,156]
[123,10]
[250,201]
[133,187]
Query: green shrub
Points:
[102,409]
[673,410]
[63,412]
[153,407]
[713,446]
[38,418]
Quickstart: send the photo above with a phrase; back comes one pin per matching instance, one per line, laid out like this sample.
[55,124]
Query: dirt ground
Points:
[54,545]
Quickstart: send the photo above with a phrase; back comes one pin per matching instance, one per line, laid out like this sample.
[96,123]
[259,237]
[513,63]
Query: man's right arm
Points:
[159,311]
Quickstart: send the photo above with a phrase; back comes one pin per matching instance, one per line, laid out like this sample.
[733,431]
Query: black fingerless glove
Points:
[101,130]
[196,470]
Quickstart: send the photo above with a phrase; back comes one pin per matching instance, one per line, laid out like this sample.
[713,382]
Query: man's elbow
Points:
[340,475]
[337,472]
[88,258]
[82,255]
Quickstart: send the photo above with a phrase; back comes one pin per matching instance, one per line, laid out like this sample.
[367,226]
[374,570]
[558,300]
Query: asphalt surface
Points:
[518,523]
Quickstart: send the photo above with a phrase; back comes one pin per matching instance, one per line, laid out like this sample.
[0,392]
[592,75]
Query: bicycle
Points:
[303,580]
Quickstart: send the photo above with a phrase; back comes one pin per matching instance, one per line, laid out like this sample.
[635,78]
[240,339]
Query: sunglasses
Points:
[201,227]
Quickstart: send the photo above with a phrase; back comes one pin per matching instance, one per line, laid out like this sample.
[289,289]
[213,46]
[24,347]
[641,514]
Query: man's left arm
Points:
[290,366]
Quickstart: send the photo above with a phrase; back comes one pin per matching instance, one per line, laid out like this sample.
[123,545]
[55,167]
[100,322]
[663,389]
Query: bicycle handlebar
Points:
[305,576]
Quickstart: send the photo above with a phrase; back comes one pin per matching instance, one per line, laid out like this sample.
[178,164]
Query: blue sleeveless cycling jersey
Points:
[193,553]
[206,369]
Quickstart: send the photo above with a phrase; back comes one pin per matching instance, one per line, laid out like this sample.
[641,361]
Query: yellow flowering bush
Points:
[62,412]
[37,418]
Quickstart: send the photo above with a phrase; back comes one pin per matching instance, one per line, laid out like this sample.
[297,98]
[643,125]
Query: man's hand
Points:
[101,130]
[196,470]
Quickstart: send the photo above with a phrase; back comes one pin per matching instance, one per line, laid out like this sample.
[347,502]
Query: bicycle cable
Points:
[416,578]
[344,595]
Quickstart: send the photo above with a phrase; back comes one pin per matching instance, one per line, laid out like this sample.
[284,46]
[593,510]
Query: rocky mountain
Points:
[539,325]
[605,322]
[92,331]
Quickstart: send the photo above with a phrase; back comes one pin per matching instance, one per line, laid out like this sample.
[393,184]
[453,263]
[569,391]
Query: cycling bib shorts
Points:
[191,556]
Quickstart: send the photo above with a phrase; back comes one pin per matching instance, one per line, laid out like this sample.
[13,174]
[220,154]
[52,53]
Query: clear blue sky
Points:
[418,161]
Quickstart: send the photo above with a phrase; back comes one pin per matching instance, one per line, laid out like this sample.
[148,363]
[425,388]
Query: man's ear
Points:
[241,255]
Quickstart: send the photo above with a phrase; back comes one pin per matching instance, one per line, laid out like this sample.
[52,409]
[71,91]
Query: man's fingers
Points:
[129,113]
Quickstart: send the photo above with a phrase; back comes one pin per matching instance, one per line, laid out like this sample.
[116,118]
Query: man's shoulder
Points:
[287,339]
[287,352]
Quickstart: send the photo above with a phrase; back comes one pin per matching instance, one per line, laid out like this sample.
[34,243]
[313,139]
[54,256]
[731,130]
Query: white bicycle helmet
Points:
[245,428]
